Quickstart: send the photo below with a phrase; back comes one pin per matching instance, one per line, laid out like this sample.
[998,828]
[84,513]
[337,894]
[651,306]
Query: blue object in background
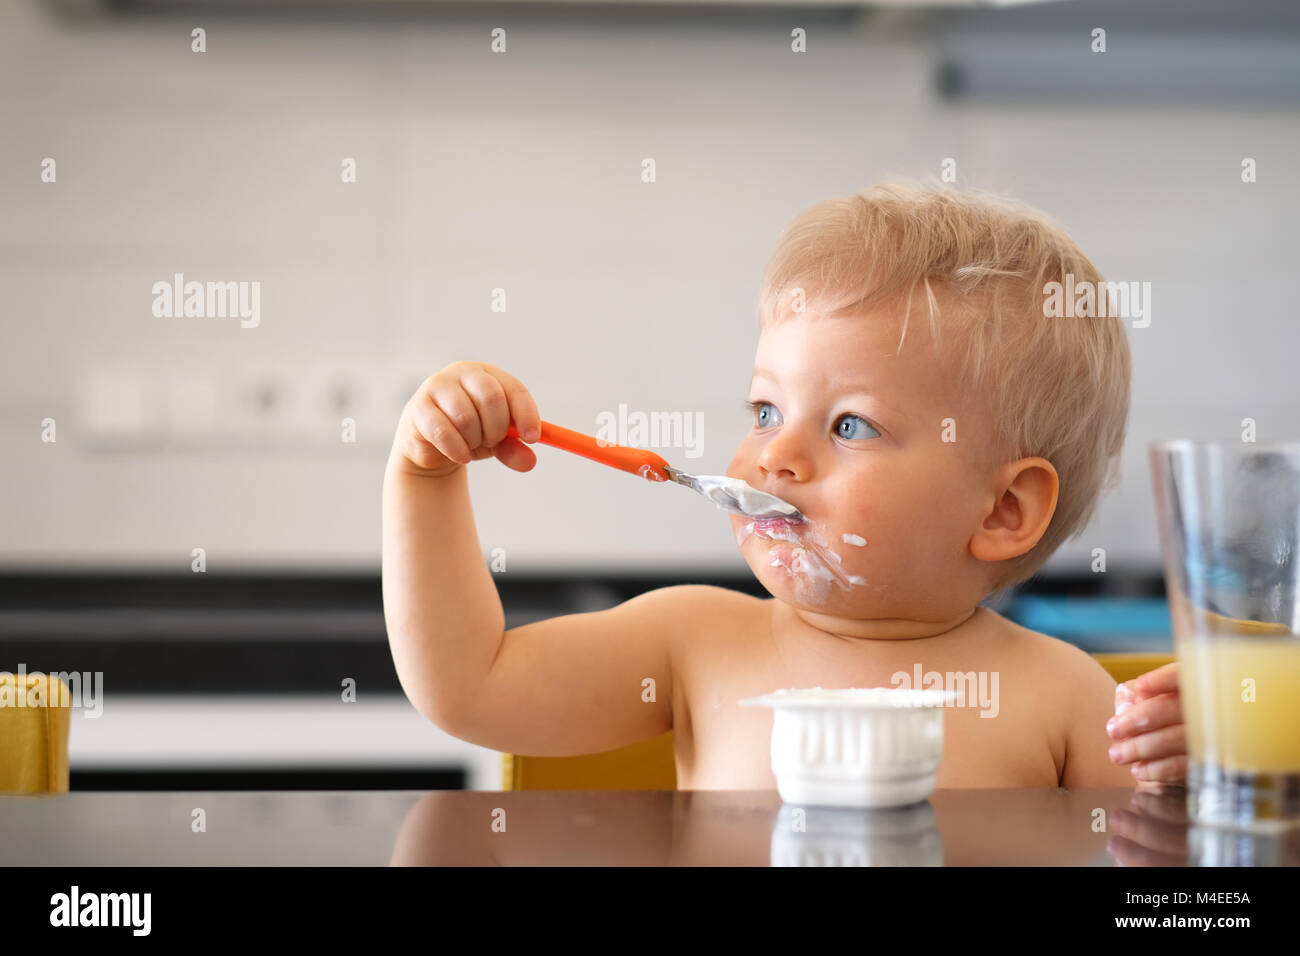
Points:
[1097,624]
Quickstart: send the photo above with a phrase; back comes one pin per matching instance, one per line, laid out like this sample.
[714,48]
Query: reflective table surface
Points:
[618,828]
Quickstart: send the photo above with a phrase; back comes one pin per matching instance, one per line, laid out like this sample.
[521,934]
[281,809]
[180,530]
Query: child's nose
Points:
[785,456]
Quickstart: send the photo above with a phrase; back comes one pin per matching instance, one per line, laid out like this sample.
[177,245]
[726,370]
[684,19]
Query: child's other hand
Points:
[1148,730]
[460,414]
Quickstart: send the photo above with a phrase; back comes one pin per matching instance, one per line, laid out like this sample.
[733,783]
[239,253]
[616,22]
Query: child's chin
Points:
[772,567]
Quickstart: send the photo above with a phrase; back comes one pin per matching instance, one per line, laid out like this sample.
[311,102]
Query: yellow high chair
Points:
[649,765]
[35,712]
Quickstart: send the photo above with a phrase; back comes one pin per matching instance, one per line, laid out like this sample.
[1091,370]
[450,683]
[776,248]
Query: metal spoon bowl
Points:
[736,496]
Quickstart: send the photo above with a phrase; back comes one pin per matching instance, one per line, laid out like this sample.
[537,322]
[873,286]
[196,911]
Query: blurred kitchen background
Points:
[521,171]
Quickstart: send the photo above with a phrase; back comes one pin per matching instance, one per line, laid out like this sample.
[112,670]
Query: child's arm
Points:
[572,684]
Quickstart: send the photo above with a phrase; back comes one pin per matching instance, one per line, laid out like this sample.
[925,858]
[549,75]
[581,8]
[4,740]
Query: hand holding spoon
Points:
[729,494]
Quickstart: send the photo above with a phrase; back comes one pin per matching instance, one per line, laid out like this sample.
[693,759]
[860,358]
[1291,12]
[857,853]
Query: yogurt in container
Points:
[855,746]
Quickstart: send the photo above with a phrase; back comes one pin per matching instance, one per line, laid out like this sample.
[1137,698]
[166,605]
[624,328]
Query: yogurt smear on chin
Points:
[775,529]
[807,561]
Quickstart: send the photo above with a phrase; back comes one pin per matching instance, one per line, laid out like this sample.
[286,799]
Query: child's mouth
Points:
[801,552]
[778,524]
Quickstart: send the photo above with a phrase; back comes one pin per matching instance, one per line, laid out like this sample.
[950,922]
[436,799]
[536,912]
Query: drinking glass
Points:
[1229,517]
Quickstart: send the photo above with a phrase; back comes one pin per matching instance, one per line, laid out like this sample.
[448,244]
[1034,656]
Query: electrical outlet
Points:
[330,395]
[262,404]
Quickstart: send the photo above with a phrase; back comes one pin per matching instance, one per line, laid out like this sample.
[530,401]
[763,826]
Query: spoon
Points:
[729,494]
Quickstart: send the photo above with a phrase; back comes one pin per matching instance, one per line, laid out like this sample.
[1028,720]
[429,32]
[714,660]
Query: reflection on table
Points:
[620,828]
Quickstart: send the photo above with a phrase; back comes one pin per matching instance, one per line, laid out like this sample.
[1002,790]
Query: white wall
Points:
[522,171]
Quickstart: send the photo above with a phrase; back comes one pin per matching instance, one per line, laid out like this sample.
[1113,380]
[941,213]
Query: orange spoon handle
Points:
[638,461]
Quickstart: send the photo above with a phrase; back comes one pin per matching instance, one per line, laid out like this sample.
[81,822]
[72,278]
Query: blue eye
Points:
[765,414]
[847,428]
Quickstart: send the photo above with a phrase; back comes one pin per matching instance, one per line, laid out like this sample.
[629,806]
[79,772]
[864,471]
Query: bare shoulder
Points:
[1065,686]
[1072,695]
[1051,655]
[688,603]
[693,614]
[689,598]
[1077,697]
[679,605]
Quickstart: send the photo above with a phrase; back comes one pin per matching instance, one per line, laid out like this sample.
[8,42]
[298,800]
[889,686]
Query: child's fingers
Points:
[522,408]
[1168,803]
[462,413]
[489,398]
[513,453]
[459,409]
[1150,832]
[1166,742]
[1128,852]
[1162,680]
[1166,770]
[1146,715]
[438,430]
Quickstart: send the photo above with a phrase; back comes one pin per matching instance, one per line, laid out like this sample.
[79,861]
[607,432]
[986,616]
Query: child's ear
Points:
[1026,493]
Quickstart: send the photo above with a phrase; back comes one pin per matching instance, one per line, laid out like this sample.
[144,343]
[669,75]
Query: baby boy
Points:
[940,436]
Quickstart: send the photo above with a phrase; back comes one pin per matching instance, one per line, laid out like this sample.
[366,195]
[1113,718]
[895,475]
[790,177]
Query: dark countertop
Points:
[642,828]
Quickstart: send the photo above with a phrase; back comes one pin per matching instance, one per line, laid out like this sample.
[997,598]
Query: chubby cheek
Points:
[870,535]
[923,533]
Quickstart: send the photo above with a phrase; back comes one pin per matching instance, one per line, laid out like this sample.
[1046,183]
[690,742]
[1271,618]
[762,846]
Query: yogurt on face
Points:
[812,566]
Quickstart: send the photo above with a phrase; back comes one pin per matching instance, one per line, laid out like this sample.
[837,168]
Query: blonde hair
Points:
[1057,388]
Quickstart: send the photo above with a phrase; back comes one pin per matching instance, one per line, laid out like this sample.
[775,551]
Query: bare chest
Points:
[993,737]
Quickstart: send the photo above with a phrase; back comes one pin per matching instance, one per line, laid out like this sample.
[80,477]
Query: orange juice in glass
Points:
[1229,524]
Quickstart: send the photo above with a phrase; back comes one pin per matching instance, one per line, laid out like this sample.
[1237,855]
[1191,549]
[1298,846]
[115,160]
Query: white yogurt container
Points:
[855,747]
